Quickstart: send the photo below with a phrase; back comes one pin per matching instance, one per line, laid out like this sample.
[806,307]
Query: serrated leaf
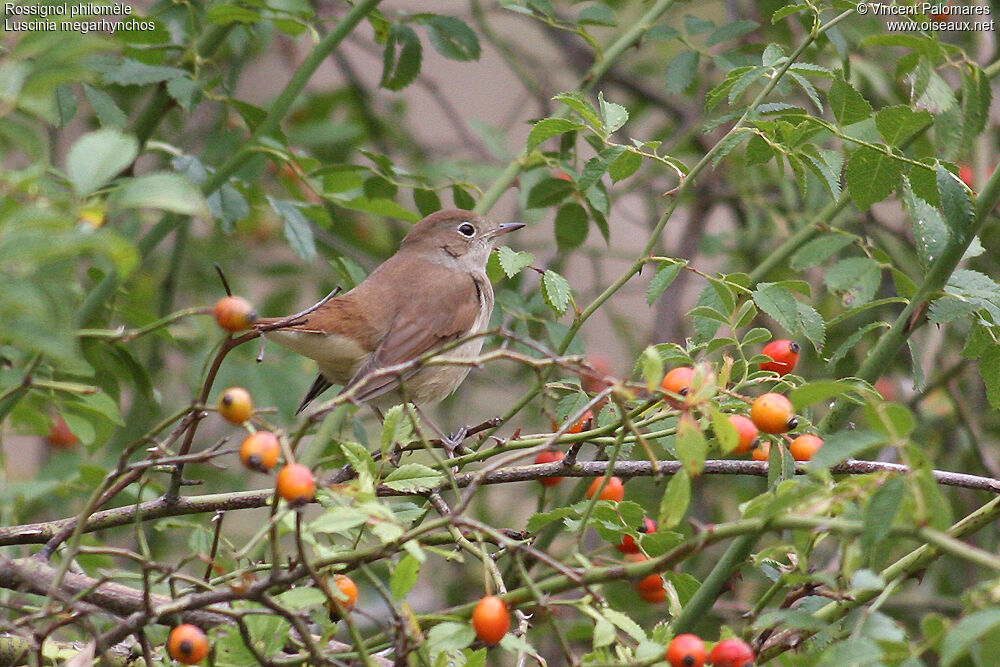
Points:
[930,233]
[572,226]
[404,576]
[847,104]
[547,192]
[651,367]
[811,324]
[624,166]
[855,280]
[97,157]
[624,623]
[819,250]
[665,275]
[758,151]
[964,634]
[452,38]
[298,233]
[681,71]
[301,597]
[512,262]
[604,633]
[779,303]
[402,58]
[976,97]
[396,427]
[614,115]
[843,445]
[449,636]
[128,72]
[989,369]
[556,291]
[577,102]
[108,112]
[359,457]
[340,520]
[550,127]
[956,204]
[691,445]
[164,191]
[898,123]
[675,501]
[731,31]
[412,477]
[872,176]
[597,15]
[881,512]
[598,165]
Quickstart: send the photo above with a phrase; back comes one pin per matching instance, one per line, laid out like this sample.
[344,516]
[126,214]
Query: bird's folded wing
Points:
[415,331]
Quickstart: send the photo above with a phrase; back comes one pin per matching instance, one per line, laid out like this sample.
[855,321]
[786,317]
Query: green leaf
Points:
[556,291]
[758,151]
[572,225]
[462,198]
[225,14]
[930,233]
[404,576]
[580,104]
[108,112]
[665,275]
[598,165]
[512,262]
[164,191]
[989,369]
[66,104]
[967,632]
[898,123]
[956,204]
[412,477]
[691,445]
[976,97]
[731,31]
[402,58]
[624,166]
[881,512]
[548,191]
[847,104]
[301,597]
[819,391]
[128,72]
[452,38]
[396,427]
[675,501]
[695,25]
[779,303]
[843,445]
[819,250]
[651,367]
[339,521]
[614,115]
[298,233]
[426,201]
[855,279]
[604,633]
[872,176]
[681,71]
[97,157]
[597,15]
[449,636]
[185,91]
[550,127]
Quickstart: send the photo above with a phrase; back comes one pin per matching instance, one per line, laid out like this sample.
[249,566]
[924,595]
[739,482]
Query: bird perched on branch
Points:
[432,292]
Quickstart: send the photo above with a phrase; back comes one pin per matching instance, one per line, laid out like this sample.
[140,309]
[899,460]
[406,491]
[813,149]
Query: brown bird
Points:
[432,292]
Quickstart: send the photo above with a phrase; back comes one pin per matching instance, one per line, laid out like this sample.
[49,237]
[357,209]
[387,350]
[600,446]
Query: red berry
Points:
[762,452]
[296,484]
[804,447]
[614,490]
[60,436]
[747,431]
[236,405]
[677,381]
[773,413]
[187,644]
[785,354]
[234,313]
[628,545]
[260,451]
[550,456]
[686,650]
[732,653]
[491,619]
[651,589]
[966,173]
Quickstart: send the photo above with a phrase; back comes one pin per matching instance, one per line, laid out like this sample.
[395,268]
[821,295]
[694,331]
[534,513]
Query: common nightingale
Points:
[432,292]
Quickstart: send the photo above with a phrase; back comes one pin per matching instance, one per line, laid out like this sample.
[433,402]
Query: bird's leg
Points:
[449,442]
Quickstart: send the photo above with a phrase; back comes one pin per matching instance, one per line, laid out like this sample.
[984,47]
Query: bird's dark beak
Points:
[507,227]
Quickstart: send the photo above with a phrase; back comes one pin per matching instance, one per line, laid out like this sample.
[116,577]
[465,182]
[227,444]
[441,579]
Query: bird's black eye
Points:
[466,230]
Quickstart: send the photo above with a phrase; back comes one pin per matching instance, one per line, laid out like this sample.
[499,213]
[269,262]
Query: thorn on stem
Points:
[222,277]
